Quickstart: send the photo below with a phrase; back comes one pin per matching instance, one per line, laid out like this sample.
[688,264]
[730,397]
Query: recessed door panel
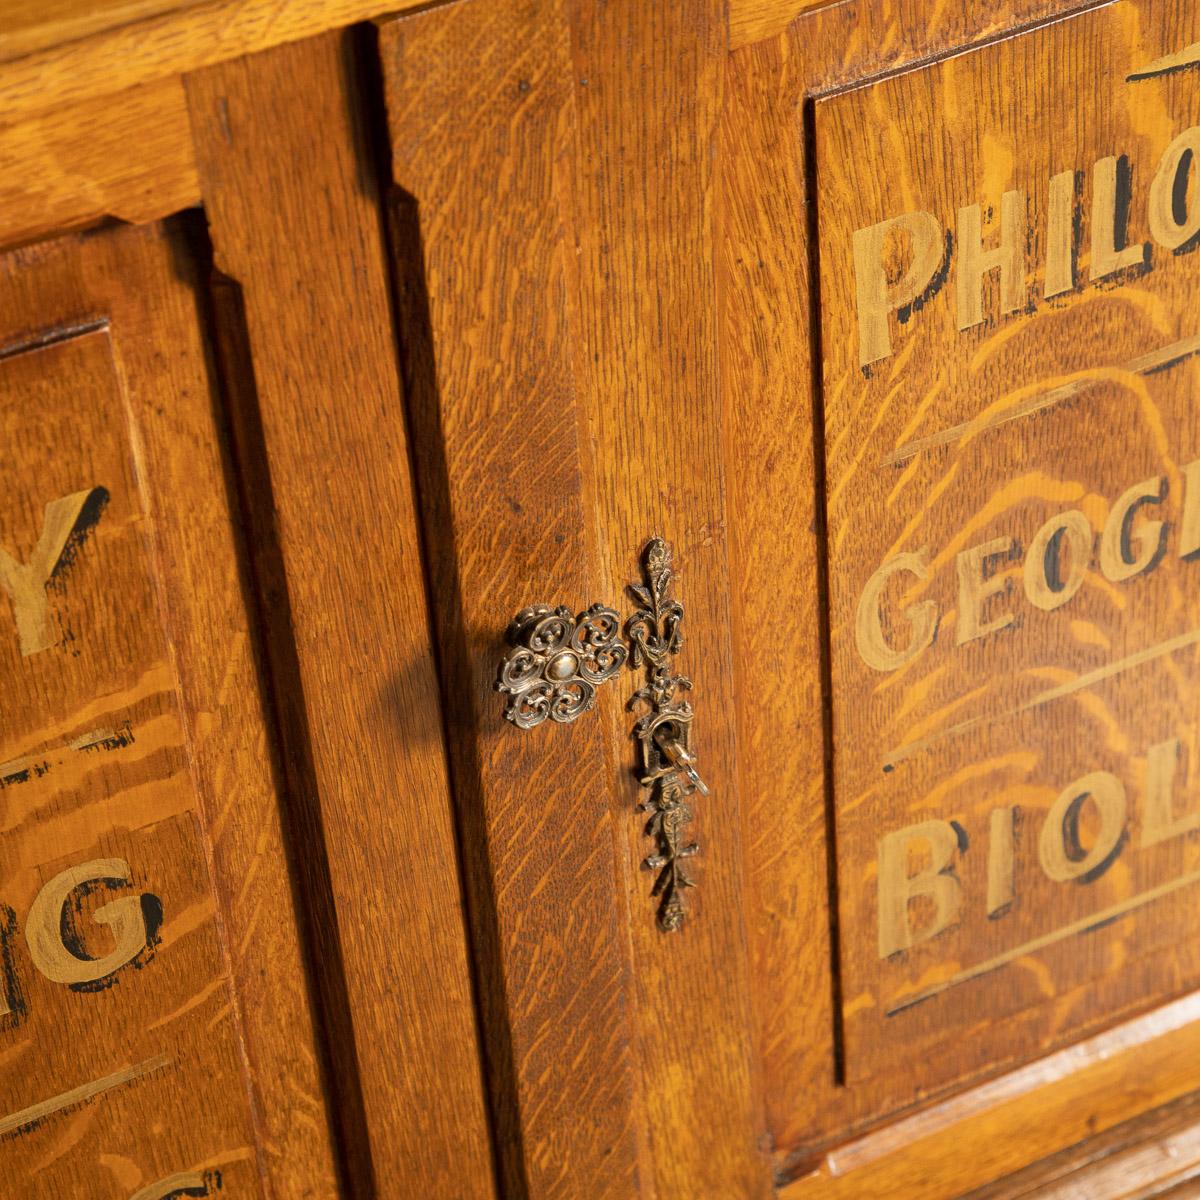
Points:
[152,992]
[1009,342]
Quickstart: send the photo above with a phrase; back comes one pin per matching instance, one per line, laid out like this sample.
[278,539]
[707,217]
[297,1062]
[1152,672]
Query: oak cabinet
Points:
[600,599]
[130,693]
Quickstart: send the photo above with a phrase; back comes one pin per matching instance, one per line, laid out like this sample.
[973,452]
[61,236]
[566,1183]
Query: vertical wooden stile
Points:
[482,122]
[296,220]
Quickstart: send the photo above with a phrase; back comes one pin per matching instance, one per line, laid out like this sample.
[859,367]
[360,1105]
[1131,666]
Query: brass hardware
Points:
[556,662]
[674,750]
[552,671]
[664,733]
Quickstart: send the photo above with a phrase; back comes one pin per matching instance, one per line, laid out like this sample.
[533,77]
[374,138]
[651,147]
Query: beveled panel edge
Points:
[1083,1089]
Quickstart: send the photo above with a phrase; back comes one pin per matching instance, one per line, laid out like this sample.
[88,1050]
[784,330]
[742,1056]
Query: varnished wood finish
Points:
[36,24]
[622,258]
[911,748]
[635,371]
[141,723]
[753,21]
[306,249]
[647,201]
[850,42]
[217,658]
[772,462]
[130,159]
[1072,691]
[1156,1151]
[1037,1111]
[479,101]
[766,308]
[184,37]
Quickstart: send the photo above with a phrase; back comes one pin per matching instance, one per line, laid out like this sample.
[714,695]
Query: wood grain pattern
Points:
[1032,697]
[231,742]
[753,21]
[603,250]
[185,38]
[129,158]
[479,100]
[36,24]
[113,741]
[1152,1154]
[1041,1109]
[638,376]
[848,42]
[649,99]
[362,699]
[773,461]
[765,330]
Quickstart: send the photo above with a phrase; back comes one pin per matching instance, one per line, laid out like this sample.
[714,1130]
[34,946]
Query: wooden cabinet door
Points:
[223,751]
[308,349]
[554,230]
[840,357]
[157,1036]
[880,316]
[977,273]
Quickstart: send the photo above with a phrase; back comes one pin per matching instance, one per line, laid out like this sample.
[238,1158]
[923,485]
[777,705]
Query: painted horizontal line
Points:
[1049,939]
[94,738]
[1048,696]
[1181,60]
[88,1091]
[192,1181]
[1144,364]
[52,337]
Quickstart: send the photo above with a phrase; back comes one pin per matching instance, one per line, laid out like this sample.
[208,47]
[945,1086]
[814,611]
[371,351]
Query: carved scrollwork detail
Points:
[664,734]
[556,662]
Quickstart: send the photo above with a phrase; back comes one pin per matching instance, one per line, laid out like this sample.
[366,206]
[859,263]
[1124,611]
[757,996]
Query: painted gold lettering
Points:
[1174,198]
[1066,537]
[1060,235]
[868,626]
[1112,190]
[974,262]
[934,880]
[44,928]
[877,297]
[185,1183]
[1124,551]
[1001,836]
[978,582]
[26,584]
[1159,822]
[1060,850]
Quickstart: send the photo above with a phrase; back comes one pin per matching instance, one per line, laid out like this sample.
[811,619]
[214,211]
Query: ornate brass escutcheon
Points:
[664,733]
[556,662]
[553,669]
